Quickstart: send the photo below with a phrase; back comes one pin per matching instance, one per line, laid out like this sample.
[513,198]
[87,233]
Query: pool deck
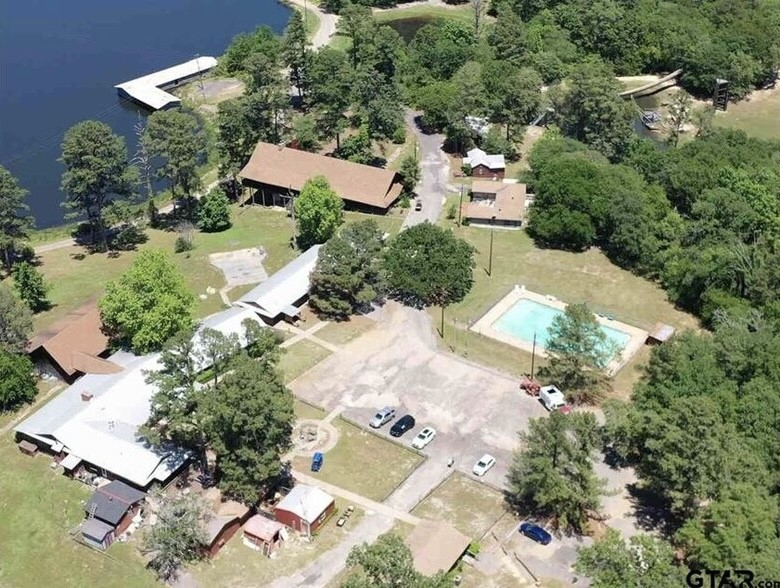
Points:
[484,326]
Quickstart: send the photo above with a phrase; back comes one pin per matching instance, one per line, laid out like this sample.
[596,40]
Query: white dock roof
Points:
[146,89]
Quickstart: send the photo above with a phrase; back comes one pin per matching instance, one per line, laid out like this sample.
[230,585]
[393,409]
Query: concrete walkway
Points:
[300,334]
[366,503]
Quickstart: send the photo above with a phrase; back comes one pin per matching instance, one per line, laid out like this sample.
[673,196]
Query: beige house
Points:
[494,203]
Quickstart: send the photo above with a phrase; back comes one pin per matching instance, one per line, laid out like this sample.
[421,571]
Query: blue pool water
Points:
[527,317]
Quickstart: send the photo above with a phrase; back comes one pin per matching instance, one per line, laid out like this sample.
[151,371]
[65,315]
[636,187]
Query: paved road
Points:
[432,188]
[327,23]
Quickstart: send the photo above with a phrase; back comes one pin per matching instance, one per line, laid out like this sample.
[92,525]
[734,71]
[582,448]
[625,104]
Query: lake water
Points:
[59,62]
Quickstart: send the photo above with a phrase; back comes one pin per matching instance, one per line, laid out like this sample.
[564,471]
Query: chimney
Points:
[86,396]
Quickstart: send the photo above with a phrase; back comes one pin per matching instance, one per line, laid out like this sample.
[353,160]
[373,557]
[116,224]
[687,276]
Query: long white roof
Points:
[103,431]
[477,157]
[146,89]
[278,293]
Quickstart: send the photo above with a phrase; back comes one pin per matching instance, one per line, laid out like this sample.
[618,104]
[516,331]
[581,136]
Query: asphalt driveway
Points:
[474,410]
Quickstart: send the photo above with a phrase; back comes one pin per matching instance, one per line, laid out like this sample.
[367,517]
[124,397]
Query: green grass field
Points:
[363,462]
[343,332]
[38,507]
[300,358]
[467,505]
[759,116]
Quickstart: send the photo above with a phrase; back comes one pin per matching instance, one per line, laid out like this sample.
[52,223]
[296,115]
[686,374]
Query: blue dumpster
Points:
[316,461]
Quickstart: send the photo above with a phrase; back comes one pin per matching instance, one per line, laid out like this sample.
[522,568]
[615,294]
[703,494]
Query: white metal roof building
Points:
[96,420]
[147,89]
[305,502]
[476,157]
[278,295]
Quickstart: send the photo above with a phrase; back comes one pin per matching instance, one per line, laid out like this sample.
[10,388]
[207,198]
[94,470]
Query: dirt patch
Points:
[243,266]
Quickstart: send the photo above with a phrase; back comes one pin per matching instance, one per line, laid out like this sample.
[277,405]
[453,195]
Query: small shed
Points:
[27,447]
[263,534]
[660,333]
[305,509]
[436,547]
[115,504]
[97,534]
[228,518]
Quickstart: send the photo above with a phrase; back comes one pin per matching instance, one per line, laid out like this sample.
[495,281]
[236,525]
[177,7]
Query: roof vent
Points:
[86,396]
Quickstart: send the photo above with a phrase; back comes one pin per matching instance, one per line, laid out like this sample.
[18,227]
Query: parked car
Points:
[405,423]
[418,205]
[535,532]
[423,438]
[381,417]
[553,399]
[484,464]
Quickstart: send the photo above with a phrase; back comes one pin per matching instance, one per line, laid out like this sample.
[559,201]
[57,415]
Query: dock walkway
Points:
[148,90]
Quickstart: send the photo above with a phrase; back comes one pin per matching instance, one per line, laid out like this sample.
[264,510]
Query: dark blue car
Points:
[536,533]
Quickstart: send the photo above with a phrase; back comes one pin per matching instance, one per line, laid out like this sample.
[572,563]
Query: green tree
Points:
[348,276]
[217,350]
[318,212]
[177,138]
[174,416]
[296,54]
[17,383]
[214,212]
[15,220]
[388,563]
[590,110]
[641,562]
[177,537]
[738,530]
[428,265]
[29,283]
[410,173]
[552,473]
[250,425]
[579,352]
[306,133]
[680,110]
[147,305]
[330,92]
[262,343]
[16,323]
[96,174]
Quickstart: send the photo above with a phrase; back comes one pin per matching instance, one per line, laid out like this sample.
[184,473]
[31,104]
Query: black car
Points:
[405,423]
[535,532]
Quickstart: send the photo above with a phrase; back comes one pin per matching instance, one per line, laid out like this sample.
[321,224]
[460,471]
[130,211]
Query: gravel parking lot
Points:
[473,409]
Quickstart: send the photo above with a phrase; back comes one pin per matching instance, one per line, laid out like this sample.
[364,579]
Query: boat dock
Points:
[149,90]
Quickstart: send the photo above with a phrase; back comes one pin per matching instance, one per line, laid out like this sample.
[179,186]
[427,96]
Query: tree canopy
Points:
[214,211]
[17,382]
[29,284]
[318,212]
[178,536]
[348,276]
[16,323]
[579,352]
[642,561]
[147,305]
[97,174]
[552,473]
[428,265]
[15,219]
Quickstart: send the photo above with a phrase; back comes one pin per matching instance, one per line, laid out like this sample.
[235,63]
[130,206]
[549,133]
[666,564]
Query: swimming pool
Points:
[527,317]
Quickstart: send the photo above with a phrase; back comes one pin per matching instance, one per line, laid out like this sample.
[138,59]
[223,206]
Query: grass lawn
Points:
[304,410]
[407,21]
[571,277]
[363,462]
[469,506]
[300,358]
[759,116]
[37,509]
[76,276]
[343,332]
[238,565]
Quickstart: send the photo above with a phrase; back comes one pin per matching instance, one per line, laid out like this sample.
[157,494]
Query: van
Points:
[552,398]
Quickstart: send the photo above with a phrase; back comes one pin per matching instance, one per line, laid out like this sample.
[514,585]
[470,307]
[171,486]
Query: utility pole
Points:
[490,261]
[460,206]
[292,214]
[533,356]
[442,321]
[200,73]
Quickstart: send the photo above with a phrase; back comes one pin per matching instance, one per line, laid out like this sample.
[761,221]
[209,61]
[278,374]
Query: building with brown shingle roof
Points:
[501,204]
[73,347]
[275,172]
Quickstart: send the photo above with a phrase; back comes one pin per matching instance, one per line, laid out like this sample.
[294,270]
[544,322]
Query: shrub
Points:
[183,243]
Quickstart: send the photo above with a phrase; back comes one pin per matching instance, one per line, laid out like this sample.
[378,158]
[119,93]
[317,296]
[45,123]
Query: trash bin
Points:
[316,462]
